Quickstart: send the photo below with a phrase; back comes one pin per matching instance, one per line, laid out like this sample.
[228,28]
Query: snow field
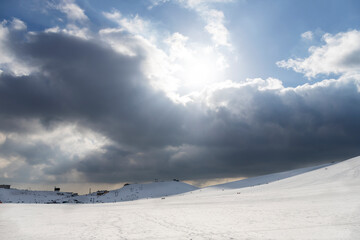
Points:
[319,204]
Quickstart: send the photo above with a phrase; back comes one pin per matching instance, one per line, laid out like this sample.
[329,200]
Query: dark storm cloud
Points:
[33,153]
[257,131]
[274,131]
[280,130]
[83,81]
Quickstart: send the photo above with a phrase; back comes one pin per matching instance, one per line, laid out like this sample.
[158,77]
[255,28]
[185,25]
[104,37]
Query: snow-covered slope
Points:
[344,174]
[319,204]
[141,191]
[127,193]
[265,179]
[26,196]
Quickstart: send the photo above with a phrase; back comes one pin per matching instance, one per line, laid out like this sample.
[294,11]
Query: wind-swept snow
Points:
[319,204]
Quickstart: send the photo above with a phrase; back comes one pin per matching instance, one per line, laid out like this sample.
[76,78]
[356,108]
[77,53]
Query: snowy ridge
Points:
[265,179]
[27,196]
[141,191]
[326,178]
[127,193]
[345,173]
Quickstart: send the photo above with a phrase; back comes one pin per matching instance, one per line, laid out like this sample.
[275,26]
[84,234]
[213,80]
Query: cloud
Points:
[84,82]
[91,113]
[307,35]
[155,3]
[72,11]
[76,23]
[134,25]
[255,132]
[17,24]
[72,30]
[173,67]
[196,3]
[339,55]
[9,63]
[86,79]
[215,20]
[216,27]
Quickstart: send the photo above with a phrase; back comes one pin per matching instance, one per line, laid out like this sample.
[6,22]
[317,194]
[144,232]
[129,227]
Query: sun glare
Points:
[199,72]
[185,68]
[200,69]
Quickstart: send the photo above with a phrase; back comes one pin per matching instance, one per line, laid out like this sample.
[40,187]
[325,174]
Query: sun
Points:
[200,69]
[185,69]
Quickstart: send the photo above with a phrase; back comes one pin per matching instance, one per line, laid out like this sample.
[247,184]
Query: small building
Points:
[102,192]
[56,189]
[5,186]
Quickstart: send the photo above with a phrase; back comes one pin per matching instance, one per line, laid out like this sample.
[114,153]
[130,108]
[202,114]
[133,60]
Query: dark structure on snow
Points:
[101,192]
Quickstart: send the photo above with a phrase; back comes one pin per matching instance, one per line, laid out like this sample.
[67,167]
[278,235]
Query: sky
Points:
[100,93]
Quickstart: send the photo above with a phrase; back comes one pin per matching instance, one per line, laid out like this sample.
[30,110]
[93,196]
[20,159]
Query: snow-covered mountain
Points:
[126,193]
[142,191]
[27,196]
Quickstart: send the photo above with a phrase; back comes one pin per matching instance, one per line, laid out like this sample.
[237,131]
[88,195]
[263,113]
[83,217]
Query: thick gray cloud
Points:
[259,130]
[274,131]
[84,81]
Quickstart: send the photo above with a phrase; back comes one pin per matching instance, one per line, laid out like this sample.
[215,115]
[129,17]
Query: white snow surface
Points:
[317,204]
[265,179]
